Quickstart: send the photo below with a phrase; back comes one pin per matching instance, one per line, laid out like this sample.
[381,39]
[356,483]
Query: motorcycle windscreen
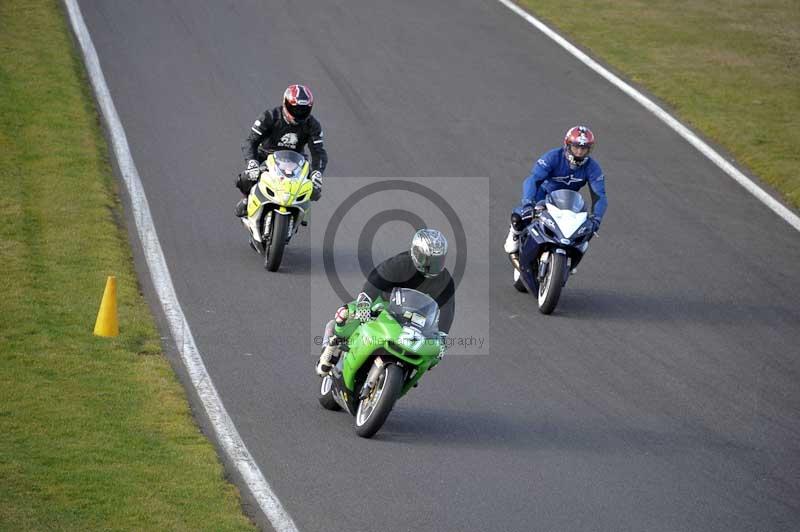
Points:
[289,163]
[415,309]
[567,200]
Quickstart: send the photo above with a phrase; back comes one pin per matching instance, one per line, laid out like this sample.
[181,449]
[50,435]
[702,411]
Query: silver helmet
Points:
[429,251]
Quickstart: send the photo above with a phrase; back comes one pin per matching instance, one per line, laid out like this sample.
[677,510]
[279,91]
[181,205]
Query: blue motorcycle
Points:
[551,247]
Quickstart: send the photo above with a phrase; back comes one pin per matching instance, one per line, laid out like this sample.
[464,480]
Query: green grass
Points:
[729,68]
[94,433]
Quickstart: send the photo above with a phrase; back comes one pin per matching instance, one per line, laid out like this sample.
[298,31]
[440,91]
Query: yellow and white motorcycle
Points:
[278,203]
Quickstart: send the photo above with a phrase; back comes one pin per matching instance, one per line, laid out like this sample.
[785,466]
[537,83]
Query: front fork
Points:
[543,260]
[266,237]
[543,264]
[372,377]
[267,227]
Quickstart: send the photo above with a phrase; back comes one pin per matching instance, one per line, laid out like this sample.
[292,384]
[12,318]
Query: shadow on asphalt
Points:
[471,429]
[593,304]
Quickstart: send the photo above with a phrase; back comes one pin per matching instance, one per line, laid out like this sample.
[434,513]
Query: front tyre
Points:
[374,409]
[277,241]
[518,284]
[326,394]
[550,286]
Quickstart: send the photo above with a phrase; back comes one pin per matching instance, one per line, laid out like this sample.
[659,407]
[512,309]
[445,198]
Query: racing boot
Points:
[512,241]
[328,358]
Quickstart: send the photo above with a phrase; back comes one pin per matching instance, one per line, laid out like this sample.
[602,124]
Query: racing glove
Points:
[252,170]
[316,181]
[341,315]
[595,223]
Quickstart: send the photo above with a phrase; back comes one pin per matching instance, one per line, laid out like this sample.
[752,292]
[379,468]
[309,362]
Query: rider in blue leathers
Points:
[567,167]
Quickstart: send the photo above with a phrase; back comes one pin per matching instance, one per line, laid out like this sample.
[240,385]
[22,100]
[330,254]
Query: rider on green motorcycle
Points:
[421,268]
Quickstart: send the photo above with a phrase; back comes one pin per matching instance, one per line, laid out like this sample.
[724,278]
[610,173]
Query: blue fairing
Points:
[531,240]
[539,237]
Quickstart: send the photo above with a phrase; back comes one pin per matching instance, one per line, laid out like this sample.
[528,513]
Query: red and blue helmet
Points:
[297,102]
[578,136]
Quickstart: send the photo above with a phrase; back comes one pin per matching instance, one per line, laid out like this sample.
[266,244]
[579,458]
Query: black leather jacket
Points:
[399,272]
[270,133]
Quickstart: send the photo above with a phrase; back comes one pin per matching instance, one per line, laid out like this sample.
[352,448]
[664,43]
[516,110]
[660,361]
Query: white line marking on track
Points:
[790,217]
[226,432]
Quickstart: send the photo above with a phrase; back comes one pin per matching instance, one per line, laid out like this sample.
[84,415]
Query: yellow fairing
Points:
[253,204]
[284,191]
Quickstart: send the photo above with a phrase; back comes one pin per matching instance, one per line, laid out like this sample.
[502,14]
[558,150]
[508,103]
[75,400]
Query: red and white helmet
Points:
[581,137]
[297,103]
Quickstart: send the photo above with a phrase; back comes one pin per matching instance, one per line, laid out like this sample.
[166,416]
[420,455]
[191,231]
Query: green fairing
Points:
[383,335]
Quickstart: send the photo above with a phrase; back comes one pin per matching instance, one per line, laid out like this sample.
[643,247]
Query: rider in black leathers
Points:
[400,271]
[287,127]
[421,268]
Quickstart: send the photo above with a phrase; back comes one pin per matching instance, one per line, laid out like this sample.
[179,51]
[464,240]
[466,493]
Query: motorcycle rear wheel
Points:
[277,242]
[550,286]
[374,409]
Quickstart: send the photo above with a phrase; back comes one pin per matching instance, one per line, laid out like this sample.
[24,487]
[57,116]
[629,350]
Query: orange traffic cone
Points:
[107,324]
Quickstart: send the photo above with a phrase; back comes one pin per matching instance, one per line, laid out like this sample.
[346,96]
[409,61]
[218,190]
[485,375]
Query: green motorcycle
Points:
[385,348]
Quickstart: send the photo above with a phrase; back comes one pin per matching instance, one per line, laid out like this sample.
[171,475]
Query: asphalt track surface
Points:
[662,394]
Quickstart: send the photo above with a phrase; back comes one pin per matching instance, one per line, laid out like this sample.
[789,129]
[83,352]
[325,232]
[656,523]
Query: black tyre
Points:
[277,241]
[373,410]
[518,284]
[326,394]
[550,286]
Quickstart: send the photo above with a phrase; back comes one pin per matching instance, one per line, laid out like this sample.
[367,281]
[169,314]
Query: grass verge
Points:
[729,68]
[94,433]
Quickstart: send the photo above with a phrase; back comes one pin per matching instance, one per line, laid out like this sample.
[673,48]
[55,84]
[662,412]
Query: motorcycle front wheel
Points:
[550,286]
[277,242]
[374,409]
[518,284]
